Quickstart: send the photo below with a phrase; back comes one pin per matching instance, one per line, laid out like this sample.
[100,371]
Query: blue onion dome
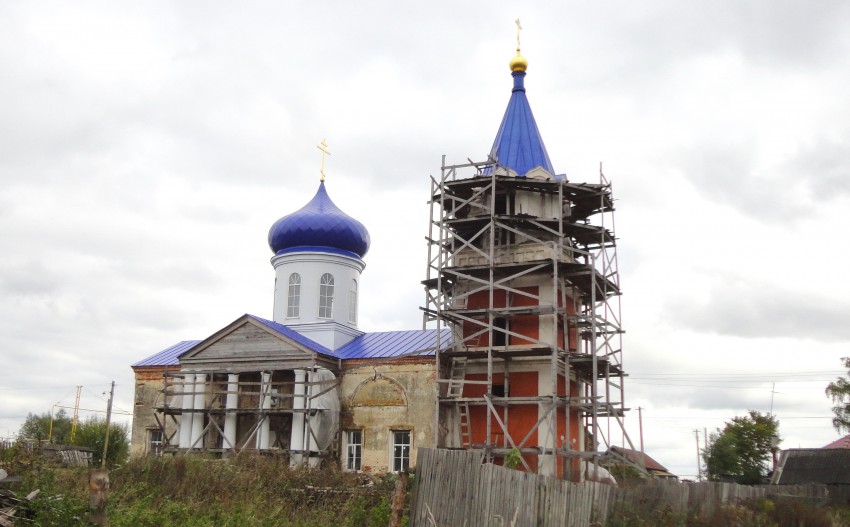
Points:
[319,225]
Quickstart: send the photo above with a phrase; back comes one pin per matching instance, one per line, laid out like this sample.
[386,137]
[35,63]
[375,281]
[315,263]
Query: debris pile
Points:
[11,506]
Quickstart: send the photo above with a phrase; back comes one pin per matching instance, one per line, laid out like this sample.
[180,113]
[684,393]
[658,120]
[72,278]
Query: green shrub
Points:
[513,458]
[195,491]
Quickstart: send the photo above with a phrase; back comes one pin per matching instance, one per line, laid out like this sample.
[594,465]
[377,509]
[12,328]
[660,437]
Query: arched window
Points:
[326,296]
[293,296]
[352,303]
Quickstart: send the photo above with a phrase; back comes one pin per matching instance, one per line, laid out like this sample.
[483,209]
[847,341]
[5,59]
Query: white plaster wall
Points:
[536,204]
[329,334]
[311,266]
[547,432]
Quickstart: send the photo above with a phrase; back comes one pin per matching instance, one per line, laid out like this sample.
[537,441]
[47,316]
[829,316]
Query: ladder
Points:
[465,428]
[457,373]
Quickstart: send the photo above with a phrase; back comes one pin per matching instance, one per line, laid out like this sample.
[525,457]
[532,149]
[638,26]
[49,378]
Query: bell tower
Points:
[522,268]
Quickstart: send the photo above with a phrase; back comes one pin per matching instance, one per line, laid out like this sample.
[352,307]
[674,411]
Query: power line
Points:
[726,416]
[761,372]
[726,378]
[95,411]
[725,387]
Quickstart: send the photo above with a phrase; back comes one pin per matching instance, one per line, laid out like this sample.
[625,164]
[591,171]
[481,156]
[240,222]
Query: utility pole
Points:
[772,393]
[99,478]
[50,430]
[640,425]
[108,420]
[76,418]
[699,466]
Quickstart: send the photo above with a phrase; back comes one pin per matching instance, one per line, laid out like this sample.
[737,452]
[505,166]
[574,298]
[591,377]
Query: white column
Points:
[547,431]
[296,441]
[311,421]
[186,417]
[265,404]
[231,403]
[200,404]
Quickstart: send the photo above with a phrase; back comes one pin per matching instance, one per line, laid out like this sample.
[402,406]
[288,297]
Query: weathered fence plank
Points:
[454,488]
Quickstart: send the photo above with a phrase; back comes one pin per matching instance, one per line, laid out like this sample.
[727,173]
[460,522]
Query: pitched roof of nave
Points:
[375,345]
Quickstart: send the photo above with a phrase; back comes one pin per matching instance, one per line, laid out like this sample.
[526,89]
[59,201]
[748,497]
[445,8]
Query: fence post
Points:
[99,488]
[399,496]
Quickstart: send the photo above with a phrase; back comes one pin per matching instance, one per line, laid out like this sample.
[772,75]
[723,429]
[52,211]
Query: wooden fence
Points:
[453,488]
[65,454]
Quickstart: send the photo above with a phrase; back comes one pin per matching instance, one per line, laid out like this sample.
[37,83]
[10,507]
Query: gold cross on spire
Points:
[323,146]
[518,29]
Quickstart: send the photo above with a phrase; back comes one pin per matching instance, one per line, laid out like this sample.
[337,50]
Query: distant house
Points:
[641,459]
[828,466]
[843,442]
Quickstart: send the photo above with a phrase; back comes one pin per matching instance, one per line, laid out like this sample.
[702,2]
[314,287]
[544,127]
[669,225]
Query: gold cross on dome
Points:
[518,29]
[323,146]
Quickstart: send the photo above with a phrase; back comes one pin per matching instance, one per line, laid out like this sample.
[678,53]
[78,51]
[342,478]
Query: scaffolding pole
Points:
[506,253]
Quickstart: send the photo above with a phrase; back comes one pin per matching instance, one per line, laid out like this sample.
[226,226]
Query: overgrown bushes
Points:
[193,491]
[783,512]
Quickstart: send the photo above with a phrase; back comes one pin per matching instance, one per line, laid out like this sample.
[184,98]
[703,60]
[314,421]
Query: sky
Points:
[147,147]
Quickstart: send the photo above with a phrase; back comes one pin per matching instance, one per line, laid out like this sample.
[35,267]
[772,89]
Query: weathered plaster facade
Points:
[381,398]
[148,394]
[376,397]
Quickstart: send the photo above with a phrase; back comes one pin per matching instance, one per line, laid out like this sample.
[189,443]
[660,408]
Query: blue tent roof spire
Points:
[518,145]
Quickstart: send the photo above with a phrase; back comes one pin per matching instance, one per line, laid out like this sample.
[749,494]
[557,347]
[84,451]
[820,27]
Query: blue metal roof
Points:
[294,335]
[319,223]
[518,144]
[390,344]
[378,345]
[168,356]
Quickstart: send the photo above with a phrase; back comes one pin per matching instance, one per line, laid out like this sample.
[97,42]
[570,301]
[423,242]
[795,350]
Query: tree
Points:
[742,450]
[839,392]
[37,427]
[91,433]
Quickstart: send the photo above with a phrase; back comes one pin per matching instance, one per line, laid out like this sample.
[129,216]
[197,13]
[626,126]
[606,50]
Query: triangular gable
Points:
[253,344]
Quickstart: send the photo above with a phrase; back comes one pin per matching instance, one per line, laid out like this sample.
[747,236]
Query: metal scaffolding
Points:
[260,403]
[506,254]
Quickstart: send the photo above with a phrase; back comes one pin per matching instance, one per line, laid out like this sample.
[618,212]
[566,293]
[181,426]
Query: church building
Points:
[308,382]
[523,358]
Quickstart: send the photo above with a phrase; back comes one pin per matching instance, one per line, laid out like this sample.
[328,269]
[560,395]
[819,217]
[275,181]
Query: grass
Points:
[193,491]
[782,512]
